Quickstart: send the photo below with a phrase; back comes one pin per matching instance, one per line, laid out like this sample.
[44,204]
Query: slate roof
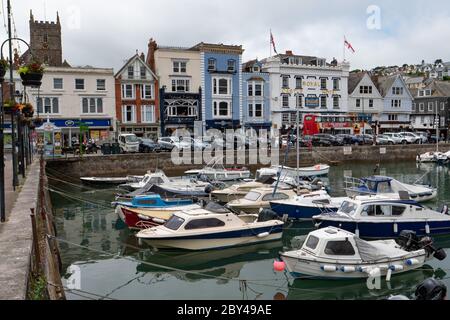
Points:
[385,83]
[354,79]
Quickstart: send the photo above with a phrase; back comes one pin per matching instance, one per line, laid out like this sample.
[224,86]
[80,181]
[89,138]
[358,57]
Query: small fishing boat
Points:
[314,171]
[380,217]
[236,191]
[260,198]
[338,254]
[211,227]
[220,174]
[110,180]
[152,201]
[435,157]
[150,178]
[305,206]
[143,218]
[388,186]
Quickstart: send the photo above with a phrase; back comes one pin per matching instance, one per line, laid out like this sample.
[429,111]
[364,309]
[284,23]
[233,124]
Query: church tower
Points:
[46,41]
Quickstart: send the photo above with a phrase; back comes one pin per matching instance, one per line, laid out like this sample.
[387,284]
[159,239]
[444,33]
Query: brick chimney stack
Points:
[152,47]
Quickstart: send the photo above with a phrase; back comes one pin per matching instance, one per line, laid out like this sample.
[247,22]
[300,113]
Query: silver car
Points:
[411,137]
[397,138]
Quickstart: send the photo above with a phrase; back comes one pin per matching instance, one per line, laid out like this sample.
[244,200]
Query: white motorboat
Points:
[314,171]
[236,191]
[220,174]
[150,178]
[381,185]
[260,198]
[438,157]
[211,228]
[335,253]
[110,180]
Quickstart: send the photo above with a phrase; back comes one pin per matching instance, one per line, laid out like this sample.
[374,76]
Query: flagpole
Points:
[270,43]
[344,49]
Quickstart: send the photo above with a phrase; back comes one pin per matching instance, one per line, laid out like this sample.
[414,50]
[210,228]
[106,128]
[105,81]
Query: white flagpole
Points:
[270,43]
[344,49]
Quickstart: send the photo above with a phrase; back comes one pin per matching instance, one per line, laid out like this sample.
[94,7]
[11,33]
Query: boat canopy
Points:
[367,251]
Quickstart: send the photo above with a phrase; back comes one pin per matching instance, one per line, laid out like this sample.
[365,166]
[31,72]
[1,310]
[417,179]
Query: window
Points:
[57,83]
[148,114]
[336,84]
[92,105]
[222,109]
[430,106]
[277,196]
[252,196]
[312,242]
[131,72]
[212,65]
[396,103]
[285,101]
[336,102]
[146,91]
[422,106]
[101,84]
[299,101]
[258,89]
[127,91]
[255,89]
[285,82]
[393,117]
[174,223]
[398,210]
[339,248]
[371,103]
[255,110]
[250,89]
[79,84]
[143,73]
[397,91]
[323,102]
[45,38]
[128,114]
[179,66]
[299,83]
[180,85]
[365,90]
[231,65]
[323,84]
[204,223]
[222,86]
[358,103]
[48,105]
[442,106]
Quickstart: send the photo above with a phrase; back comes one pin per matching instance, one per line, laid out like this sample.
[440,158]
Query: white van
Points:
[129,143]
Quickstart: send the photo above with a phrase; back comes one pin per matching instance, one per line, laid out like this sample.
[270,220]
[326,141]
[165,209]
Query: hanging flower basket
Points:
[38,122]
[28,110]
[3,68]
[31,74]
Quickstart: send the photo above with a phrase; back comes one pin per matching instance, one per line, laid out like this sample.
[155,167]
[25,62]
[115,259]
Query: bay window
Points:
[255,110]
[128,91]
[222,86]
[180,85]
[146,91]
[148,114]
[222,109]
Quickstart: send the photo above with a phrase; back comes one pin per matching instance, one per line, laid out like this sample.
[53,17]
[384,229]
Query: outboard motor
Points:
[267,215]
[408,240]
[209,188]
[431,289]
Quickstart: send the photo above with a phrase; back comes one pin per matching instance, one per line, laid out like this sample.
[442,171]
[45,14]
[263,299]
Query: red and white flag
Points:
[348,45]
[272,42]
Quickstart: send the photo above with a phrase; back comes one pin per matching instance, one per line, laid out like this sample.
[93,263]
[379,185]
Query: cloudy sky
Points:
[104,33]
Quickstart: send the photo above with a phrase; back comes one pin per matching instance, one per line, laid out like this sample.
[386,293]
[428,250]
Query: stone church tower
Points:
[46,41]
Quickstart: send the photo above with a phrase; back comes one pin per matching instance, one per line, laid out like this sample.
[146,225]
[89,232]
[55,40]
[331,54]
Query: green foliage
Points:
[38,289]
[446,78]
[4,63]
[32,67]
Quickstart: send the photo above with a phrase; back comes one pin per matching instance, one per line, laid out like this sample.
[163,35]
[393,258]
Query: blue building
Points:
[255,97]
[221,83]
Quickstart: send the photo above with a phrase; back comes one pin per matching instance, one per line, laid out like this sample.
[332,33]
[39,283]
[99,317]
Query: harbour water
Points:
[103,260]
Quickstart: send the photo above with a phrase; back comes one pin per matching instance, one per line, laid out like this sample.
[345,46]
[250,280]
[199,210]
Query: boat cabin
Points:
[266,194]
[155,200]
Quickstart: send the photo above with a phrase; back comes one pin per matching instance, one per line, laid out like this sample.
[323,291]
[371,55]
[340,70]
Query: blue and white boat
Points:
[388,186]
[212,227]
[379,217]
[305,206]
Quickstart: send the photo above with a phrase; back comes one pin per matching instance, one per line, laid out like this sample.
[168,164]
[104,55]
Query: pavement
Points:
[10,194]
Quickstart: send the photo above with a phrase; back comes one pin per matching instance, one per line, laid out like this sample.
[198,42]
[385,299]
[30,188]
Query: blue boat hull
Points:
[296,212]
[385,230]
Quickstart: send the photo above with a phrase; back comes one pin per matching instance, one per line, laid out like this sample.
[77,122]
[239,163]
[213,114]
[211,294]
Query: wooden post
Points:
[35,242]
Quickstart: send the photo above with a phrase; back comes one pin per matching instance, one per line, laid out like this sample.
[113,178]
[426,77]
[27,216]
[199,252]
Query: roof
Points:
[136,57]
[385,83]
[354,79]
[414,80]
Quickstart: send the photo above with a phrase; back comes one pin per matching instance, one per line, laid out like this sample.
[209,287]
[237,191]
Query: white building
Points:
[307,83]
[69,96]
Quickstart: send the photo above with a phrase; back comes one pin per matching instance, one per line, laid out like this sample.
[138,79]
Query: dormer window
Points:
[231,65]
[212,65]
[256,68]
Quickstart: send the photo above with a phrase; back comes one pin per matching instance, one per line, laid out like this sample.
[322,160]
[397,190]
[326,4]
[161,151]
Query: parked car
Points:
[129,143]
[307,141]
[334,141]
[423,136]
[168,143]
[433,139]
[384,140]
[398,138]
[411,137]
[148,145]
[347,138]
[363,139]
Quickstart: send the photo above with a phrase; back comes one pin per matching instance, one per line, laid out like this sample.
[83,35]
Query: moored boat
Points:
[314,171]
[110,180]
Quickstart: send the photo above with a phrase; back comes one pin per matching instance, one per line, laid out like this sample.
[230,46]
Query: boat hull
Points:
[300,212]
[228,239]
[173,192]
[387,230]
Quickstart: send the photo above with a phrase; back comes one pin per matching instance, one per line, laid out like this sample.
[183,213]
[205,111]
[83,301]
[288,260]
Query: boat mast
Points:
[436,122]
[298,148]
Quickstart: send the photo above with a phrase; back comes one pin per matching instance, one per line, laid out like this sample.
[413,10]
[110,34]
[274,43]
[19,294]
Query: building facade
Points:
[305,83]
[397,103]
[430,104]
[365,102]
[180,95]
[256,96]
[137,104]
[221,85]
[70,97]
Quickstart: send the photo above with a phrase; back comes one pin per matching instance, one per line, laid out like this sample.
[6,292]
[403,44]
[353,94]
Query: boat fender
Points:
[396,267]
[159,221]
[357,232]
[279,266]
[263,235]
[395,228]
[361,269]
[388,275]
[427,228]
[412,262]
[142,217]
[348,269]
[328,268]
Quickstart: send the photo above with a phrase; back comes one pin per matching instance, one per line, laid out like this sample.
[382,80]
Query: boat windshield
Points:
[174,223]
[348,208]
[252,196]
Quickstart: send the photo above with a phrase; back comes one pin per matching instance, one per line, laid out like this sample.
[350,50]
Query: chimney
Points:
[152,47]
[289,53]
[142,56]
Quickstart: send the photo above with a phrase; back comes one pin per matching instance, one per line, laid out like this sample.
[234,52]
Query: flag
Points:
[348,45]
[272,42]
